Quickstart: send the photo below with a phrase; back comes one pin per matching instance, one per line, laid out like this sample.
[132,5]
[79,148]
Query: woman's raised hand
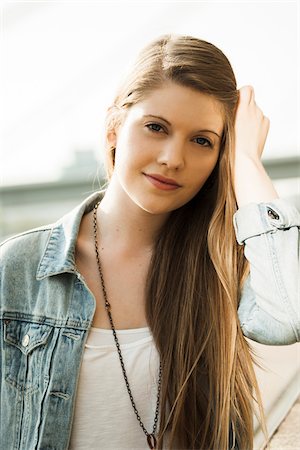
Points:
[251,126]
[251,181]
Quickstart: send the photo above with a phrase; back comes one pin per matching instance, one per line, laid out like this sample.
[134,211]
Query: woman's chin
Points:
[157,207]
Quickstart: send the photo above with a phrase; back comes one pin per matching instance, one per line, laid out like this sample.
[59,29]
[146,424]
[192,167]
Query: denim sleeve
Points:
[269,308]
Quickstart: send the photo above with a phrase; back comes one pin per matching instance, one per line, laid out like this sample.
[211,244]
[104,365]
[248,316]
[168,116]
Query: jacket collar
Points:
[59,254]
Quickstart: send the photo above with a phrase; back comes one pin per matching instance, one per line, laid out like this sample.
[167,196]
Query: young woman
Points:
[123,324]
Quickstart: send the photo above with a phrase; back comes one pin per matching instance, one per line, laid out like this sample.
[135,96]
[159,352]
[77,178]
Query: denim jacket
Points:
[46,311]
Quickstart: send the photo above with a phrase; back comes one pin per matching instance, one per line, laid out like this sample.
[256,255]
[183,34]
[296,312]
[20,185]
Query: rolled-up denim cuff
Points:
[254,219]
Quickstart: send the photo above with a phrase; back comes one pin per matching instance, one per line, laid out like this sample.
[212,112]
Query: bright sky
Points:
[61,62]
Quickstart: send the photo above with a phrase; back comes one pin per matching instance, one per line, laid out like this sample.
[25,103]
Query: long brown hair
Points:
[197,269]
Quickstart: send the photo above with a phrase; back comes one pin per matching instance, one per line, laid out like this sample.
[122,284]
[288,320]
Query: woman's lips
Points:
[161,185]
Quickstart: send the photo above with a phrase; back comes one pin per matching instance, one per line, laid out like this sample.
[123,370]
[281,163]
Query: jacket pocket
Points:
[24,353]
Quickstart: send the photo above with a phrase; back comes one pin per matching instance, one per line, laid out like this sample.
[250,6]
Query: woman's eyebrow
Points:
[165,120]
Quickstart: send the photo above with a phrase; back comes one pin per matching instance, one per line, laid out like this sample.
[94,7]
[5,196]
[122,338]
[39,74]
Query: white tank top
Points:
[104,417]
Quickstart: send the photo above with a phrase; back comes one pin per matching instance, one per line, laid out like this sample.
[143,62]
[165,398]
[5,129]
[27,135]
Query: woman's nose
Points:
[172,154]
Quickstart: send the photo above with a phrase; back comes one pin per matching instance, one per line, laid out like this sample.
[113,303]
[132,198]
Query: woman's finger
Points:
[246,94]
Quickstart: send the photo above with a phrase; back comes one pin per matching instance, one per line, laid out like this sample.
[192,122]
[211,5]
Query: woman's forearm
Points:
[251,182]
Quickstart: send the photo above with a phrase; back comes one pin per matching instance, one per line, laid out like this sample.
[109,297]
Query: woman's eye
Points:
[209,144]
[154,126]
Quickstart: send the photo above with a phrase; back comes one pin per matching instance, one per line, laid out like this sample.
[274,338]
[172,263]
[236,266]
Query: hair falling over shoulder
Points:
[208,381]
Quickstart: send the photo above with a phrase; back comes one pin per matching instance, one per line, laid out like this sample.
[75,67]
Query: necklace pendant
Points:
[151,441]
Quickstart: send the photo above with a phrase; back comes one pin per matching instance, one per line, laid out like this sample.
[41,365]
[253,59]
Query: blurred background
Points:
[60,64]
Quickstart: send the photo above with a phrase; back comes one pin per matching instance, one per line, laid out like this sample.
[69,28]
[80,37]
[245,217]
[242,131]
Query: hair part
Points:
[208,380]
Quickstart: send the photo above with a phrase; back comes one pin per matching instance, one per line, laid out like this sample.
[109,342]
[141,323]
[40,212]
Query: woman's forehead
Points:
[178,104]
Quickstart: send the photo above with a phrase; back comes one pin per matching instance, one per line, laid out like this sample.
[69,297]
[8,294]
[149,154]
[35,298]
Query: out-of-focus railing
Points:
[28,206]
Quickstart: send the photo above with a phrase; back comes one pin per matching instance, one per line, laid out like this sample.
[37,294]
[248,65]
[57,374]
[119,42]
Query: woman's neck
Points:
[124,225]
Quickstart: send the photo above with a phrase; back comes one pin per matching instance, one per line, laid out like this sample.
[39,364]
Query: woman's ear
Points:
[111,138]
[113,116]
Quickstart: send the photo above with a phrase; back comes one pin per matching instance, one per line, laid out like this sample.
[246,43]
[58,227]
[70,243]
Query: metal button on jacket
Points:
[273,214]
[25,340]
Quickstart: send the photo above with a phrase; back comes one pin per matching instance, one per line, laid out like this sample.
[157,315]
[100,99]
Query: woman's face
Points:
[175,132]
